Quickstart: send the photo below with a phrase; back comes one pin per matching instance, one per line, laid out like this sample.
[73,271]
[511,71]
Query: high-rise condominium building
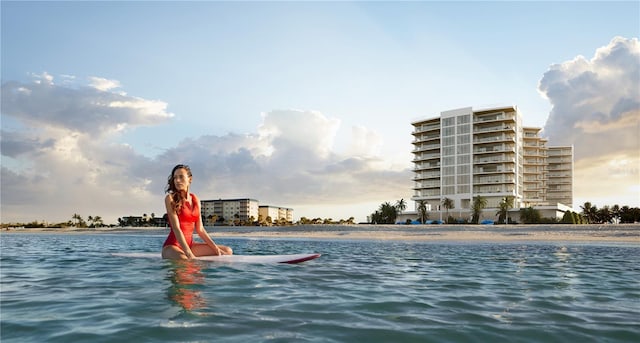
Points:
[465,153]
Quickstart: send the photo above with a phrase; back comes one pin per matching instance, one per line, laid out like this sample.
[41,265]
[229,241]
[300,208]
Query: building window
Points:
[464,129]
[464,159]
[464,139]
[464,119]
[464,149]
[464,169]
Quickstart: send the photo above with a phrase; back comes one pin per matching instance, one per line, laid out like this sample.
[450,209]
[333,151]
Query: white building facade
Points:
[464,153]
[276,213]
[228,210]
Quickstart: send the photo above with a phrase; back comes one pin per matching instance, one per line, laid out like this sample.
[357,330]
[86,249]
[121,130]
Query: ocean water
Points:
[68,288]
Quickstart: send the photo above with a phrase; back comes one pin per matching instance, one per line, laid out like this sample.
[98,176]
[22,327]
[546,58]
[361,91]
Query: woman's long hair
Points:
[177,198]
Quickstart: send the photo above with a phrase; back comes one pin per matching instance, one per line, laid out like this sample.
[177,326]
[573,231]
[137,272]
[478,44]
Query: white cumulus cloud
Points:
[596,108]
[84,109]
[62,160]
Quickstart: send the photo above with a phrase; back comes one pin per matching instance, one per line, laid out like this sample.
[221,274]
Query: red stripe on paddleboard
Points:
[306,258]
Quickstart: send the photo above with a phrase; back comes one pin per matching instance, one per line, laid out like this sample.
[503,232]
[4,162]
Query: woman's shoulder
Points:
[194,197]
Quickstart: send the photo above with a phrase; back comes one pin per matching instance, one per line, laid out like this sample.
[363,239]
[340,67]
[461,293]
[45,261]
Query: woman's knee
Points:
[173,253]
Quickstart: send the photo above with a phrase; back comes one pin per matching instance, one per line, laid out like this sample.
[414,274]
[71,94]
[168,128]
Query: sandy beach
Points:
[627,233]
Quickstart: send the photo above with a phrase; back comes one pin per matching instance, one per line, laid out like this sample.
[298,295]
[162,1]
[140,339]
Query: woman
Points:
[183,213]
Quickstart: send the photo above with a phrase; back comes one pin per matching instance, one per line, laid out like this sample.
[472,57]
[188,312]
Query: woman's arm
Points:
[203,233]
[175,226]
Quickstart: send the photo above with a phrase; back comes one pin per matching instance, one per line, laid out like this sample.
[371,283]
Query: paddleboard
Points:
[291,259]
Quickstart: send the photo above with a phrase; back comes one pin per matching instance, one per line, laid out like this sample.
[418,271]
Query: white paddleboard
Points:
[292,258]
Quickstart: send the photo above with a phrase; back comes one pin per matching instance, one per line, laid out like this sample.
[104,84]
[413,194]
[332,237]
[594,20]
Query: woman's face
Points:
[181,179]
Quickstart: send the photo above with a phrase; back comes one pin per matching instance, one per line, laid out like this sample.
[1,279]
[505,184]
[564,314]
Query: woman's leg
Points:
[202,249]
[173,252]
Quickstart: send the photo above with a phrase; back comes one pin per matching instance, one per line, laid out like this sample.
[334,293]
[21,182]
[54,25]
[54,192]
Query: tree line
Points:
[388,213]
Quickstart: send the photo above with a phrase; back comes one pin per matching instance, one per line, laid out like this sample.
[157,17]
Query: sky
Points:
[306,105]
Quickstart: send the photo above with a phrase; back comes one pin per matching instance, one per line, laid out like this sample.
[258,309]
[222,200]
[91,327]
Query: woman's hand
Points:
[217,250]
[190,255]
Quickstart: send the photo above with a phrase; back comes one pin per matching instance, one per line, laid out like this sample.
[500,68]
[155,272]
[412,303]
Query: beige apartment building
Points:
[464,153]
[227,210]
[276,213]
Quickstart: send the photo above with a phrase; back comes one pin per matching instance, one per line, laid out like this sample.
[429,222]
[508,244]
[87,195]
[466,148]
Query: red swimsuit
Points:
[187,218]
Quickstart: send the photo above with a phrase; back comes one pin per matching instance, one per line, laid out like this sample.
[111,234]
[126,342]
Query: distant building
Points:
[276,213]
[228,210]
[464,153]
[136,221]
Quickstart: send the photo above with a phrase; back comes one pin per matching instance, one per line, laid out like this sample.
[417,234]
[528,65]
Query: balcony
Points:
[424,176]
[494,139]
[534,162]
[492,180]
[424,185]
[426,138]
[425,147]
[427,127]
[493,189]
[494,117]
[492,170]
[425,166]
[494,149]
[494,128]
[494,159]
[427,193]
[424,157]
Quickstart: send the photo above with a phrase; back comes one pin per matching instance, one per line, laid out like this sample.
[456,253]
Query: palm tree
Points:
[401,205]
[448,204]
[589,212]
[422,209]
[604,215]
[505,204]
[389,213]
[615,212]
[479,203]
[97,221]
[77,218]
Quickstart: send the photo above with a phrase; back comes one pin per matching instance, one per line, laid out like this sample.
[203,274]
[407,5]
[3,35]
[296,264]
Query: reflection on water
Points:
[186,280]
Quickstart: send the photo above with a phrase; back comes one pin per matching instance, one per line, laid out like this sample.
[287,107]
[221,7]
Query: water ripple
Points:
[62,288]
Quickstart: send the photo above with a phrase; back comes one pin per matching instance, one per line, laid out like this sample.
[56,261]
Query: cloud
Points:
[62,161]
[596,102]
[290,161]
[93,109]
[103,84]
[596,108]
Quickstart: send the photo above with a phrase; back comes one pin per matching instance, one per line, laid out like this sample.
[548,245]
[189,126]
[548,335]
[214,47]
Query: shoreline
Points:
[622,233]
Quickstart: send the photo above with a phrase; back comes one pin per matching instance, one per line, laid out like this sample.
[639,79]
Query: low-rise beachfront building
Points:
[228,210]
[137,221]
[275,213]
[466,152]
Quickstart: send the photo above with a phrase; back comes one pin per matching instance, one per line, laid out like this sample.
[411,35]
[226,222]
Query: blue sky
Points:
[237,74]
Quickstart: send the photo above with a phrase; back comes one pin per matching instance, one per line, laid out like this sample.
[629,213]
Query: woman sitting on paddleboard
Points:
[183,213]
